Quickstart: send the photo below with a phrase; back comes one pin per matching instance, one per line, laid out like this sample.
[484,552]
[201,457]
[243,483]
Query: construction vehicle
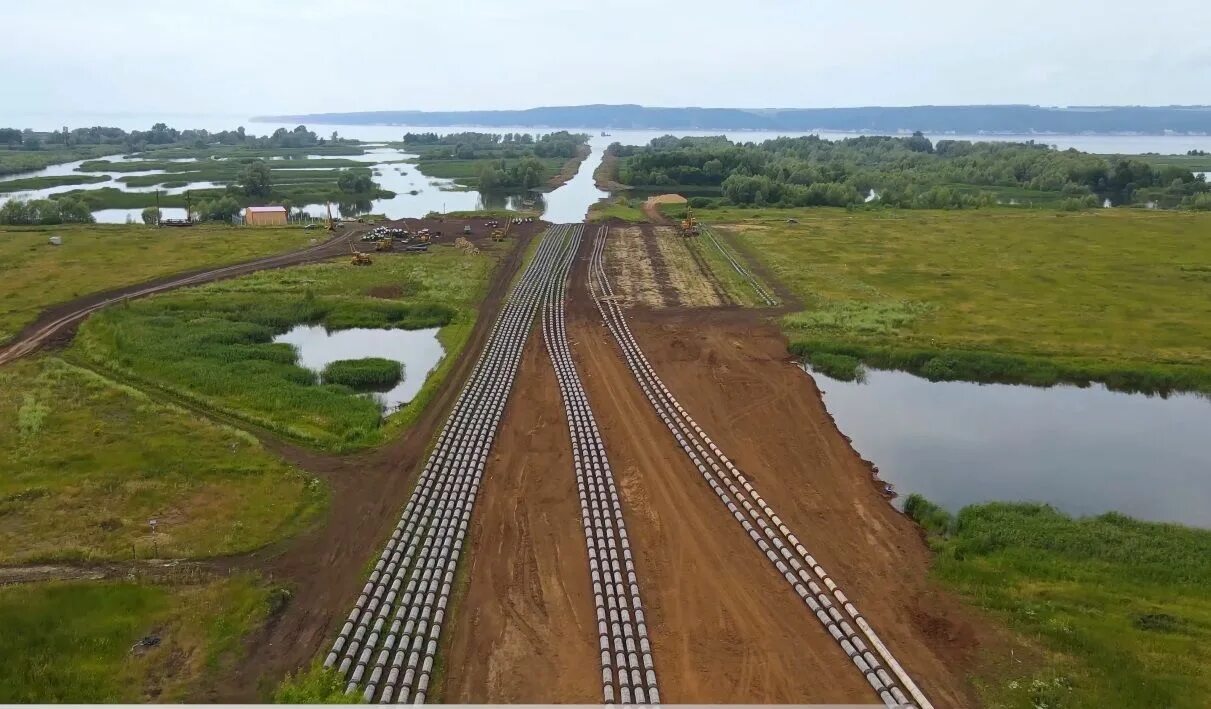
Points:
[689,225]
[384,245]
[500,234]
[359,258]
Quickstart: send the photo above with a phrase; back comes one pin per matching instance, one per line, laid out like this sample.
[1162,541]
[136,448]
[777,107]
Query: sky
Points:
[249,57]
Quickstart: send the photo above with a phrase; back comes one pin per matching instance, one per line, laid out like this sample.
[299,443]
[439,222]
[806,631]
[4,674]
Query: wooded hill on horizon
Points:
[1016,119]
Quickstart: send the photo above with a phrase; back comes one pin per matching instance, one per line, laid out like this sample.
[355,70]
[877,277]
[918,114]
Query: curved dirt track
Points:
[58,323]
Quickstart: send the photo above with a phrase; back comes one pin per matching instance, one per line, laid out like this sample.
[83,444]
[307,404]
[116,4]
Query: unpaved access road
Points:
[58,323]
[725,627]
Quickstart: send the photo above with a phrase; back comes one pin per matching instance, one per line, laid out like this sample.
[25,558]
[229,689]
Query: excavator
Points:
[500,234]
[359,258]
[689,225]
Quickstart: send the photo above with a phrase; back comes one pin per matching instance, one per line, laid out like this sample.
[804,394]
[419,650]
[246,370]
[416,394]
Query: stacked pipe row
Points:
[762,293]
[628,674]
[387,646]
[769,533]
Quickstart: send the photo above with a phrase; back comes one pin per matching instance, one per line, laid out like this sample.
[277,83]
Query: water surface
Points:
[1085,451]
[418,350]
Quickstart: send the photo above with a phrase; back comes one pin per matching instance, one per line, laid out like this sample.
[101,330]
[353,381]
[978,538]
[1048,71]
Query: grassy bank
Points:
[41,183]
[35,275]
[297,192]
[212,344]
[16,161]
[86,462]
[1118,296]
[72,641]
[628,210]
[1120,608]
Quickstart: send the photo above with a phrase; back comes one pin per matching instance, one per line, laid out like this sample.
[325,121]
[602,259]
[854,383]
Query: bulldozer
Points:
[359,258]
[384,245]
[689,225]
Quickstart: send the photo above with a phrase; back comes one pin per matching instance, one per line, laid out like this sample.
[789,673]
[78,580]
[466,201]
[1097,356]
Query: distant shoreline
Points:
[1028,121]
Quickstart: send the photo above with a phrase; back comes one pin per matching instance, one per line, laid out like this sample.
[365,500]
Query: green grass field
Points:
[1120,608]
[86,462]
[39,183]
[35,275]
[211,344]
[1120,296]
[617,208]
[71,642]
[15,161]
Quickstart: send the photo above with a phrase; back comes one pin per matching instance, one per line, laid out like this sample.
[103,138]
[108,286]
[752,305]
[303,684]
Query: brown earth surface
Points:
[524,630]
[725,626]
[651,206]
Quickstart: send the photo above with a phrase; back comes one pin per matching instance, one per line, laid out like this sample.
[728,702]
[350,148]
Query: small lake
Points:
[418,350]
[1084,451]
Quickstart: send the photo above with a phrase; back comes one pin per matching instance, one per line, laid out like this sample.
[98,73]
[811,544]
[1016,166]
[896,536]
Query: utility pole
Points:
[157,207]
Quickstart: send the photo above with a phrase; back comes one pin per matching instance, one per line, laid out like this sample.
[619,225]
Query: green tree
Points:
[256,180]
[221,209]
[354,182]
[151,216]
[74,211]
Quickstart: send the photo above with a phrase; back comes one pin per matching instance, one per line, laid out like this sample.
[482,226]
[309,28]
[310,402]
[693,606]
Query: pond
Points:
[1083,450]
[418,350]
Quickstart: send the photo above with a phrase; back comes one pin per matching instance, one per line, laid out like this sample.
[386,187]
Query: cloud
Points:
[289,56]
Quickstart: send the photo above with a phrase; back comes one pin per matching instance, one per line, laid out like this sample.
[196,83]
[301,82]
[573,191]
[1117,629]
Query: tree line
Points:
[161,135]
[907,171]
[471,145]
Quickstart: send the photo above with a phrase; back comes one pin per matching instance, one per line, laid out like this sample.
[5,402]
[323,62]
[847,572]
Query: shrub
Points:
[930,517]
[837,366]
[368,372]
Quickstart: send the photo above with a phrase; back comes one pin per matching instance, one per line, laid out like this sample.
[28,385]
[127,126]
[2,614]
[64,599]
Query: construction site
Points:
[626,491]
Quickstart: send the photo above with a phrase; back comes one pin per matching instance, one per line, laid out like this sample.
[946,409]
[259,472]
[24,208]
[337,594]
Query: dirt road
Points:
[59,323]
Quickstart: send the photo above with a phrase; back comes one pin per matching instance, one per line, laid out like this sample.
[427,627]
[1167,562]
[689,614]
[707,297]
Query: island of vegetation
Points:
[508,162]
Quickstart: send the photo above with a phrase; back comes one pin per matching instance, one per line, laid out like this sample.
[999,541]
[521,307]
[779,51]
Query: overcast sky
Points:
[245,57]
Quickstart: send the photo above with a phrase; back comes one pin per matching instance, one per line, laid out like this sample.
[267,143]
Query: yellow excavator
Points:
[500,234]
[689,225]
[359,258]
